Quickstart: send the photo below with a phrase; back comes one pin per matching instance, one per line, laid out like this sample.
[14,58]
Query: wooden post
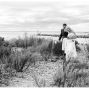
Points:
[26,37]
[64,69]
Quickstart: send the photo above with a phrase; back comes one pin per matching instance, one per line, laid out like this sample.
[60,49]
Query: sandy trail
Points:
[43,73]
[24,80]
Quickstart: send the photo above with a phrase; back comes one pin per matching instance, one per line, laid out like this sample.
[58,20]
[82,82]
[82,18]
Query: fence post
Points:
[64,69]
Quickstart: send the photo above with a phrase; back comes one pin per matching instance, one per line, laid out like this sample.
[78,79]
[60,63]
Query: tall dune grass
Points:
[34,49]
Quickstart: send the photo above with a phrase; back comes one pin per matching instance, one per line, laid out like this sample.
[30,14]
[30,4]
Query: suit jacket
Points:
[63,34]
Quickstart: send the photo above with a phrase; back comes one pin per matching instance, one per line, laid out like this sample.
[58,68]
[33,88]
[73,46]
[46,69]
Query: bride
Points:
[69,48]
[68,42]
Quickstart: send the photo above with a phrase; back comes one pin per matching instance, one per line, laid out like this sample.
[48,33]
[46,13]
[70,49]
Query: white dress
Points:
[68,46]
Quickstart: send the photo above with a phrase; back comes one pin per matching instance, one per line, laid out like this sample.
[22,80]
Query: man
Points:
[66,31]
[66,43]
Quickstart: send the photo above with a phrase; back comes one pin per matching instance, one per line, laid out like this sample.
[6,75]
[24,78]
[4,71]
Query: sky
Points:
[43,15]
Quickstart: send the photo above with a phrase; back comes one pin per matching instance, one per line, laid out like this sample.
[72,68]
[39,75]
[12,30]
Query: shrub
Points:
[21,60]
[75,76]
[18,60]
[78,49]
[5,50]
[87,47]
[46,46]
[36,57]
[57,49]
[46,49]
[27,42]
[6,72]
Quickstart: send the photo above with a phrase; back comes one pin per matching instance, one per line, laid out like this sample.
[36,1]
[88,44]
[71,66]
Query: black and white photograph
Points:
[44,43]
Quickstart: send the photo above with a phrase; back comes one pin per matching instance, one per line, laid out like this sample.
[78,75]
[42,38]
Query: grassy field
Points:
[38,62]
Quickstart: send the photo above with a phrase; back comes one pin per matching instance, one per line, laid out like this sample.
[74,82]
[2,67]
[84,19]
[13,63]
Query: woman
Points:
[68,45]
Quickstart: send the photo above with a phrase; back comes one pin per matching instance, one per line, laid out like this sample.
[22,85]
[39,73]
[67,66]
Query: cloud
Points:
[71,11]
[81,27]
[43,14]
